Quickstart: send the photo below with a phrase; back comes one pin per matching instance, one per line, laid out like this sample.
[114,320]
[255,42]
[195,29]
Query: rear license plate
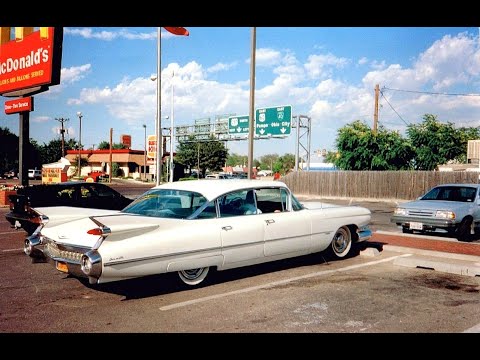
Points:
[416,226]
[61,266]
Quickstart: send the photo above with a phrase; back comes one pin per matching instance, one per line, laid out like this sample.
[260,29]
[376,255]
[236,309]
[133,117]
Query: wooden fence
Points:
[402,185]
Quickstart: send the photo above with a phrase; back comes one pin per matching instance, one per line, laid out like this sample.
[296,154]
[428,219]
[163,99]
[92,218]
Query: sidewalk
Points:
[434,253]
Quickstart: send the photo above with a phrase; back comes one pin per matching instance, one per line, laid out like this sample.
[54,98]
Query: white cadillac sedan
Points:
[189,227]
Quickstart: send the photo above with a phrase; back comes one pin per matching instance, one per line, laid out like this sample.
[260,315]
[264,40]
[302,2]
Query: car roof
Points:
[211,189]
[461,184]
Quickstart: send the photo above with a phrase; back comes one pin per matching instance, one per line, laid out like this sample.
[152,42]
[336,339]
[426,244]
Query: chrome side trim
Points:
[146,258]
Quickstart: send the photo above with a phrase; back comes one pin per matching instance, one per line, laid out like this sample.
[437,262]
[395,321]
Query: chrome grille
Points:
[69,254]
[421,213]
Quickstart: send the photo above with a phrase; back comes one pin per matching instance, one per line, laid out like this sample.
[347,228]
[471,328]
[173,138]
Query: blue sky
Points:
[328,74]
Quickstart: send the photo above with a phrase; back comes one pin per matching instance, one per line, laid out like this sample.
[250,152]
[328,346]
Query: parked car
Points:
[216,176]
[24,205]
[265,173]
[11,174]
[34,174]
[454,208]
[96,176]
[189,227]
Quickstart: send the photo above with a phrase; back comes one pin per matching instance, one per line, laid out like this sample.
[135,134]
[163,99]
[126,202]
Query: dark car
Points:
[10,174]
[77,194]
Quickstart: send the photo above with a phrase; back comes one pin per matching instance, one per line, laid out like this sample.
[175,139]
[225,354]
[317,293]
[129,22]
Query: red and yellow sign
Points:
[19,105]
[31,61]
[152,146]
[51,175]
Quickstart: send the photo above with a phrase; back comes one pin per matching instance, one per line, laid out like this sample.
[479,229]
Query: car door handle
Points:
[226,228]
[269,221]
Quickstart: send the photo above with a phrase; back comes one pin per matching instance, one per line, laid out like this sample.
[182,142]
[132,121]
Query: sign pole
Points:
[23,140]
[252,102]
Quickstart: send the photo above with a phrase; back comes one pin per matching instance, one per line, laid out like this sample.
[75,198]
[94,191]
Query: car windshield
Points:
[451,193]
[162,203]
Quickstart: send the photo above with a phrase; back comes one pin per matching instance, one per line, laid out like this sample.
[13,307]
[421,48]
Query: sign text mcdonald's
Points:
[30,64]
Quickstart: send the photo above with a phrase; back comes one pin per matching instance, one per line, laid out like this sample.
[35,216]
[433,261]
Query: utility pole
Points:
[375,113]
[110,172]
[62,133]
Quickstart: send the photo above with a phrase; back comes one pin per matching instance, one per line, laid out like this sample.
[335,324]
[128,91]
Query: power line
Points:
[430,93]
[381,92]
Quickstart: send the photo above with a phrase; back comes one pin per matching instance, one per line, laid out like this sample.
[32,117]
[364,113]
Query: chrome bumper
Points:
[44,250]
[364,233]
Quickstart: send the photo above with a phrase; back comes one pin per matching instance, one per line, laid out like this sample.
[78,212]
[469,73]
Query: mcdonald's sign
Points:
[31,62]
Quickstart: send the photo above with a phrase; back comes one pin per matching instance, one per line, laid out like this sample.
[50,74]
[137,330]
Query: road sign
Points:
[238,125]
[275,121]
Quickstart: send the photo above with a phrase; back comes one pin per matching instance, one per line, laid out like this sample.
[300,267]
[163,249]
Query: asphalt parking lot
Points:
[380,289]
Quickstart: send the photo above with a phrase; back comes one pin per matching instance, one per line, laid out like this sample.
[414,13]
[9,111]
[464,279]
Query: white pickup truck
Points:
[454,208]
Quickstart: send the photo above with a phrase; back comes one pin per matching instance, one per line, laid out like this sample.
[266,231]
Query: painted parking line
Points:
[9,232]
[474,329]
[276,283]
[9,250]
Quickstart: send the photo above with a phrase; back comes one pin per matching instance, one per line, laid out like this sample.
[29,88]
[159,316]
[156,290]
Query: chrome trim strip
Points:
[112,263]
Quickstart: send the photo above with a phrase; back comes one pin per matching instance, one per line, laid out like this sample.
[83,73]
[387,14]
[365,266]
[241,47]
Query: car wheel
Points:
[341,243]
[193,276]
[464,229]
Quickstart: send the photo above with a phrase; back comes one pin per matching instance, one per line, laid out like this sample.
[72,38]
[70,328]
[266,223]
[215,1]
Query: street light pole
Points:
[251,128]
[172,138]
[79,114]
[145,154]
[158,130]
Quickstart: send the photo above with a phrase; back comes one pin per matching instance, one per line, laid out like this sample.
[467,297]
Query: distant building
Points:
[318,166]
[130,161]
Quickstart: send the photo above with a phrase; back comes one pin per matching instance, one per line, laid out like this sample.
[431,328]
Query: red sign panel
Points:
[126,140]
[19,105]
[32,61]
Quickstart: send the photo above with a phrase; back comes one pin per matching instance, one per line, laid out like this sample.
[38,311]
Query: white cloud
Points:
[378,65]
[449,61]
[221,67]
[89,33]
[321,66]
[266,57]
[362,61]
[74,73]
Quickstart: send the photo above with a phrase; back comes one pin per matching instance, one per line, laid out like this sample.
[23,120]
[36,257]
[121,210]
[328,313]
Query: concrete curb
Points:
[459,264]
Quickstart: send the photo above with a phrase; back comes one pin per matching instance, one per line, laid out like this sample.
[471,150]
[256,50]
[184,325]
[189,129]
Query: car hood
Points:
[121,226]
[434,205]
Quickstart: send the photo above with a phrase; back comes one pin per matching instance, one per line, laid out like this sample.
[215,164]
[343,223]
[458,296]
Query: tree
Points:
[8,151]
[358,148]
[207,155]
[466,134]
[237,159]
[105,145]
[284,164]
[436,143]
[267,161]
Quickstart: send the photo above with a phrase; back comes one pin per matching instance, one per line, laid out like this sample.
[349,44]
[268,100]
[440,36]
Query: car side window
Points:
[209,212]
[270,200]
[102,191]
[236,203]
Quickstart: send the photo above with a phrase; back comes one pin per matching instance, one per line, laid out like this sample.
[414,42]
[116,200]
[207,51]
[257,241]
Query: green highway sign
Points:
[238,126]
[275,121]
